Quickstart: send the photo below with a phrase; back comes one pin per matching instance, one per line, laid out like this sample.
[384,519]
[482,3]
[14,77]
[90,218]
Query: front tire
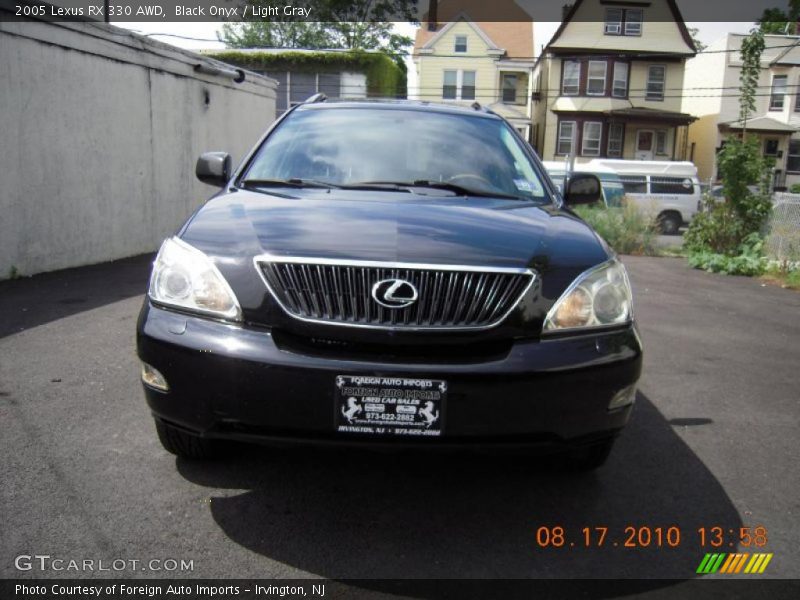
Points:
[185,445]
[590,457]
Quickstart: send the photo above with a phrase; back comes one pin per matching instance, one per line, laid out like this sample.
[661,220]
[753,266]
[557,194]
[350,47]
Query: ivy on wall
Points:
[385,78]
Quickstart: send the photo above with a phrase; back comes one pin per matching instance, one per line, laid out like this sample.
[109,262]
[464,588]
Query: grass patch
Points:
[624,228]
[786,279]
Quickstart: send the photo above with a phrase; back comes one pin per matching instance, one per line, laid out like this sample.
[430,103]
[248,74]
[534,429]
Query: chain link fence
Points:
[783,237]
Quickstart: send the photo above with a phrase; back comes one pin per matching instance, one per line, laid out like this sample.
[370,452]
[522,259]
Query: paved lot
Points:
[713,442]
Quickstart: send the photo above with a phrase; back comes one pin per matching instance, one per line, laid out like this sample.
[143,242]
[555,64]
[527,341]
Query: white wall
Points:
[100,131]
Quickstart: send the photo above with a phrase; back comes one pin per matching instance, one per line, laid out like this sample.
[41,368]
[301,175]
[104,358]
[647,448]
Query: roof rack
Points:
[320,97]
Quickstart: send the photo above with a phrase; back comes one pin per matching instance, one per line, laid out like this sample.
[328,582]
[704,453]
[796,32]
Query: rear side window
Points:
[634,184]
[671,185]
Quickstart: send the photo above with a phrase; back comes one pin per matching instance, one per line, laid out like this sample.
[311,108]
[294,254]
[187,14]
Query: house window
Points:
[633,21]
[509,88]
[616,135]
[661,142]
[656,77]
[592,134]
[771,147]
[620,80]
[596,84]
[566,131]
[468,85]
[458,85]
[572,78]
[621,21]
[461,43]
[614,17]
[797,99]
[450,85]
[793,162]
[778,92]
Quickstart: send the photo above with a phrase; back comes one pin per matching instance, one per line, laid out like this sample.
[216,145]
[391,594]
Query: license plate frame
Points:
[391,406]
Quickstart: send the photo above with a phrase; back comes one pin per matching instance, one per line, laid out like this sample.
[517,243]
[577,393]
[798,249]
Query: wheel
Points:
[588,458]
[669,223]
[186,445]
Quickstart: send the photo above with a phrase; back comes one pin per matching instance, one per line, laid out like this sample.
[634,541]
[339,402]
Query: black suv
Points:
[389,273]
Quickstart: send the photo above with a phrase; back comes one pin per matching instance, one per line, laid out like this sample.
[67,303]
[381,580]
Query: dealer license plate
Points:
[390,406]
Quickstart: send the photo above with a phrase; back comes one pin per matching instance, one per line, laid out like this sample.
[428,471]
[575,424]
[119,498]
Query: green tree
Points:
[726,228]
[779,21]
[351,24]
[694,32]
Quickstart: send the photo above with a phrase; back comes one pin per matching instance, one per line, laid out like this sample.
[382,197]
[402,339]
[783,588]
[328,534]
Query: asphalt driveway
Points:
[713,442]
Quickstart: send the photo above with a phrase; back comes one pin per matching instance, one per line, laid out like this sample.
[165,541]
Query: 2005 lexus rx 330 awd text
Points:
[390,273]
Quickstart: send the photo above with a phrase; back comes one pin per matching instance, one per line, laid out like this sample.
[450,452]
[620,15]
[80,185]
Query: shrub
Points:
[795,189]
[717,229]
[749,260]
[624,228]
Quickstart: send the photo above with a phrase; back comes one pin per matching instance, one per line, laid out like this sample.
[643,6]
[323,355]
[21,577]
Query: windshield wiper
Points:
[439,185]
[293,183]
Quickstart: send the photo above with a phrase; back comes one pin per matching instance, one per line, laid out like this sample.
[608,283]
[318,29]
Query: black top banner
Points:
[378,10]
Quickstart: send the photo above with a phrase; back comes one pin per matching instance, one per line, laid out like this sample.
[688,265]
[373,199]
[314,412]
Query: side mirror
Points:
[214,168]
[582,188]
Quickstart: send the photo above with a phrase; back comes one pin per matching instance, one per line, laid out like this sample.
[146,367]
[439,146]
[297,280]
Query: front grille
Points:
[341,293]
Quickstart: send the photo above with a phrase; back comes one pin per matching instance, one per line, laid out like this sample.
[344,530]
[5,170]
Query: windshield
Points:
[355,146]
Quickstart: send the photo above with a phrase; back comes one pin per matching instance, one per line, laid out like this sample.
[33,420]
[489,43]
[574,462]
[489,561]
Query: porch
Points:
[628,133]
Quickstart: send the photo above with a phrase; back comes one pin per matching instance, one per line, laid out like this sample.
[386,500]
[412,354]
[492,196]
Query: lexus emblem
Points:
[394,293]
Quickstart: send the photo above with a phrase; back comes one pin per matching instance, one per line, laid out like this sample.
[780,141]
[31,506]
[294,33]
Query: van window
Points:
[634,184]
[671,185]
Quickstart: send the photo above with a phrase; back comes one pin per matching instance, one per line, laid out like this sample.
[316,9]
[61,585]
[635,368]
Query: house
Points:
[608,84]
[461,60]
[337,73]
[712,93]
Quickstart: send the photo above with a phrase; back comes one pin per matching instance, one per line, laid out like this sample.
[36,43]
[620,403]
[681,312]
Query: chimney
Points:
[433,15]
[565,11]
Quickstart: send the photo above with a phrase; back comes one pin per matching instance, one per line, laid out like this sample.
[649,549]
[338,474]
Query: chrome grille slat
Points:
[340,292]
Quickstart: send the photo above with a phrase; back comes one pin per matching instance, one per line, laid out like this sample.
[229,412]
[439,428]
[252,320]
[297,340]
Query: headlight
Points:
[599,297]
[186,278]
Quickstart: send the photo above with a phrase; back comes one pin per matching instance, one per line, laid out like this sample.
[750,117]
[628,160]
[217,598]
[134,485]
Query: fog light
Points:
[153,378]
[624,397]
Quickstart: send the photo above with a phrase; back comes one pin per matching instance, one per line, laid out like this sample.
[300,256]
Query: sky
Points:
[204,35]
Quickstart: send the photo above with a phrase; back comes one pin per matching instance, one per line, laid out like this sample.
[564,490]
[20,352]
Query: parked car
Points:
[667,191]
[613,188]
[389,273]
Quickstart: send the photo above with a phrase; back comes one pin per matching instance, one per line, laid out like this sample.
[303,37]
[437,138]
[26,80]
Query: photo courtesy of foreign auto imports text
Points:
[415,299]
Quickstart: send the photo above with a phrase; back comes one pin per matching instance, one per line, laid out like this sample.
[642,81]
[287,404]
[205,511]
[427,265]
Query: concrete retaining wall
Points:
[100,130]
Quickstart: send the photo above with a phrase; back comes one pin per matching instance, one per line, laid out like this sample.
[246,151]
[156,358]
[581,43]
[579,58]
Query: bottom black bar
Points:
[456,589]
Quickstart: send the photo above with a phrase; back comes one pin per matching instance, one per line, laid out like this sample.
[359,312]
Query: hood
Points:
[393,227]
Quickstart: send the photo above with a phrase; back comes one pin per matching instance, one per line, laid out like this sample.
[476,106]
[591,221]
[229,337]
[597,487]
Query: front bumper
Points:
[233,382]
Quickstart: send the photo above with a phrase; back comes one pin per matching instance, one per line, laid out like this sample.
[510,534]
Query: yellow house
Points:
[459,60]
[609,83]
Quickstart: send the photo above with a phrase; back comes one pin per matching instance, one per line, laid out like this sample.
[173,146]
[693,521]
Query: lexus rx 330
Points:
[389,273]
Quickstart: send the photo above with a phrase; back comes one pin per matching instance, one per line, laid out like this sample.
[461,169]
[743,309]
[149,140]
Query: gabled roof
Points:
[790,56]
[673,7]
[514,35]
[762,124]
[462,17]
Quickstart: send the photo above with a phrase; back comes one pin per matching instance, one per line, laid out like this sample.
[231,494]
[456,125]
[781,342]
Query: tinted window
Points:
[358,145]
[634,184]
[671,185]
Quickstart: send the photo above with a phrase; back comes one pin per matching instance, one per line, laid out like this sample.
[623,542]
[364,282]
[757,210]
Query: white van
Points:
[669,191]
